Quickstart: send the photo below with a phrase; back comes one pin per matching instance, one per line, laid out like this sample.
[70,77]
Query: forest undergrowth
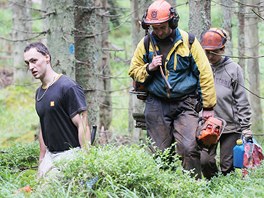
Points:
[116,171]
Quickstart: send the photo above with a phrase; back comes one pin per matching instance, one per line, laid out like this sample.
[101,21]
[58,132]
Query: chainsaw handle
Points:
[223,122]
[201,120]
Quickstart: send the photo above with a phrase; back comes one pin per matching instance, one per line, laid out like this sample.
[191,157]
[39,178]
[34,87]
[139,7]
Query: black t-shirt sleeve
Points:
[74,100]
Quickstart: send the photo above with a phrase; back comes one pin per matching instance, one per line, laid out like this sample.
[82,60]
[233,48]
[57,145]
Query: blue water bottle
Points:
[238,154]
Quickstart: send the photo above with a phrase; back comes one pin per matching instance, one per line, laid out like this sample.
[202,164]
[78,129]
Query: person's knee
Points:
[227,168]
[189,151]
[204,162]
[205,159]
[162,142]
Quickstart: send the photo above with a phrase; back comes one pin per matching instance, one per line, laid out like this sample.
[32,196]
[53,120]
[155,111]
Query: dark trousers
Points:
[208,161]
[175,121]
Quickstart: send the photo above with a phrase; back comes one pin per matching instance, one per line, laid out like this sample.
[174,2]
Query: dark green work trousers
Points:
[208,162]
[175,121]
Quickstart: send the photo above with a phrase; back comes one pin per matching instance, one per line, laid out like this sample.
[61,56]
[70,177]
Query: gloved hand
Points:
[247,133]
[207,113]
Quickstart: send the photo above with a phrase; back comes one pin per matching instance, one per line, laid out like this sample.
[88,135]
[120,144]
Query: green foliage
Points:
[237,186]
[115,13]
[18,168]
[124,171]
[121,81]
[37,25]
[216,15]
[120,87]
[19,156]
[18,118]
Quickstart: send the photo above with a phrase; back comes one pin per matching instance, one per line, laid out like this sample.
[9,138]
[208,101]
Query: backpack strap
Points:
[146,45]
[191,38]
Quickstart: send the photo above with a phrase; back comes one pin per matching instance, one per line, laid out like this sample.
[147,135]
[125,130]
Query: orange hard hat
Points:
[213,39]
[158,12]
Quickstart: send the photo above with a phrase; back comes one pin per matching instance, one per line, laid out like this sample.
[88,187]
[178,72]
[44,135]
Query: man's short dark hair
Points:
[40,47]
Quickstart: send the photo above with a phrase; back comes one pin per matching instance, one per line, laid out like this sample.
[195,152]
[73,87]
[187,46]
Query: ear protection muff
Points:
[224,36]
[173,21]
[143,24]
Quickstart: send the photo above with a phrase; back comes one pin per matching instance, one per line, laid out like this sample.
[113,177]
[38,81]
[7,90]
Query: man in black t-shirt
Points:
[61,107]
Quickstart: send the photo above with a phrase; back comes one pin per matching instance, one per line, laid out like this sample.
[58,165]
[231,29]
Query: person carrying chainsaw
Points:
[232,103]
[179,81]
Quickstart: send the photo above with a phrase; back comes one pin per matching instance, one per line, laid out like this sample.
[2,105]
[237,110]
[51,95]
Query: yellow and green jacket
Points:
[187,69]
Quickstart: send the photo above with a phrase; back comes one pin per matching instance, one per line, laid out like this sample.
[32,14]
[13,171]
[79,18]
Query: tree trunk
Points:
[199,16]
[252,47]
[87,53]
[21,31]
[105,71]
[227,24]
[60,38]
[138,8]
[241,35]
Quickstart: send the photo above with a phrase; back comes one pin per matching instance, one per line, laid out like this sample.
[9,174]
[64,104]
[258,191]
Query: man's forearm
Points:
[42,146]
[84,136]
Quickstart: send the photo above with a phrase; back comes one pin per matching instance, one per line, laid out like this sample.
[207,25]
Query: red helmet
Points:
[213,39]
[158,12]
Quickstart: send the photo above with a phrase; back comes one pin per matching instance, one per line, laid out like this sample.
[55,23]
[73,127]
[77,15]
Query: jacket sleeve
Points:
[241,101]
[137,70]
[206,77]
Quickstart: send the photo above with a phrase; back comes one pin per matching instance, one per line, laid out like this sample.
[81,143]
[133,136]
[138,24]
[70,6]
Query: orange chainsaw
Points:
[209,132]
